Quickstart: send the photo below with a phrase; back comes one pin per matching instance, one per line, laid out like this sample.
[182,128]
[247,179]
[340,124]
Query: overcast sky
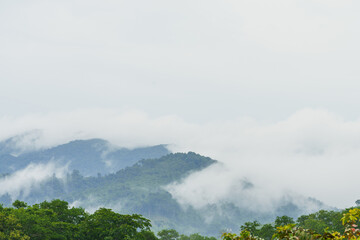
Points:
[201,60]
[202,75]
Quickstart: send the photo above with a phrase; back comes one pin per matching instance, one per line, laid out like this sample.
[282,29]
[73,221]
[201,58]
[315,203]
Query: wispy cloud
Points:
[313,152]
[21,182]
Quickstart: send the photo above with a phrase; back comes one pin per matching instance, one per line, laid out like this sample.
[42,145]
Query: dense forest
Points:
[56,220]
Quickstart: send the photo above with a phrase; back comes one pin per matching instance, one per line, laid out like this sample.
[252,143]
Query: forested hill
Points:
[137,188]
[89,157]
[135,184]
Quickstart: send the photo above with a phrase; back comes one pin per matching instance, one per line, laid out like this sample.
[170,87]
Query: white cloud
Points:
[292,26]
[232,58]
[186,62]
[313,152]
[23,181]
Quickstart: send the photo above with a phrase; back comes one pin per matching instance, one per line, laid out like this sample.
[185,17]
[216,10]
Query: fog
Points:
[312,153]
[197,59]
[21,182]
[269,89]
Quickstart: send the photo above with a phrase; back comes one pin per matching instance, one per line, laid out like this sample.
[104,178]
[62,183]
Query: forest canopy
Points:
[56,220]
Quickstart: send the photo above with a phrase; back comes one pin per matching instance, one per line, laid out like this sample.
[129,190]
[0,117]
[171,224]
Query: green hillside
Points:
[140,189]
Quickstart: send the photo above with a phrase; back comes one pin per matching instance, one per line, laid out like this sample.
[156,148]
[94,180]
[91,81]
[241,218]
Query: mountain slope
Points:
[140,188]
[90,157]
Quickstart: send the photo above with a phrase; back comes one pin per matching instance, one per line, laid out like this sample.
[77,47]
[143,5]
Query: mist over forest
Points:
[150,181]
[183,120]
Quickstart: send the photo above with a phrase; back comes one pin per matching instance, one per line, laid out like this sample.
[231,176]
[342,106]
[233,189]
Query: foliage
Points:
[10,228]
[105,223]
[147,235]
[321,220]
[55,220]
[265,231]
[287,229]
[171,234]
[168,234]
[284,220]
[349,221]
[196,236]
[251,227]
[244,235]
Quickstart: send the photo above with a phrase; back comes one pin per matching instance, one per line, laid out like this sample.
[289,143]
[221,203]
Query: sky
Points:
[255,84]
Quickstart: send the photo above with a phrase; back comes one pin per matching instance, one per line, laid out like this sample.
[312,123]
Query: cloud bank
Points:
[257,58]
[23,181]
[313,152]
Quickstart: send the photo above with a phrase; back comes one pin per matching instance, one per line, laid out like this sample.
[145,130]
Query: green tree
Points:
[252,227]
[349,221]
[36,222]
[266,231]
[105,223]
[321,220]
[148,235]
[244,235]
[196,236]
[55,220]
[19,204]
[10,229]
[284,220]
[183,237]
[63,212]
[168,234]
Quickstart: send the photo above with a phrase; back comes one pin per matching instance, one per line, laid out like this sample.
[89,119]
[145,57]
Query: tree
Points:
[252,227]
[10,228]
[168,234]
[349,221]
[19,204]
[244,235]
[266,231]
[284,220]
[105,223]
[320,220]
[196,236]
[63,212]
[55,220]
[148,235]
[183,237]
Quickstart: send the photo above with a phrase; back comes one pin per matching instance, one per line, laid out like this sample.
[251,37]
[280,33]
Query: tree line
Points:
[56,220]
[322,225]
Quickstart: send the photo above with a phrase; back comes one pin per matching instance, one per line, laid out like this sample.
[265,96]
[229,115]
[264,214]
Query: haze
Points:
[270,88]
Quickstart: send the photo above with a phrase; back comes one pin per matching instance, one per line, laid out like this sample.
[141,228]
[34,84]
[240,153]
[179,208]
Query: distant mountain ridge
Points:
[90,157]
[135,189]
[135,181]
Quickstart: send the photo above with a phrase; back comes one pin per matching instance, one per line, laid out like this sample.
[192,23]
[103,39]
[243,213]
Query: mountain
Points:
[90,157]
[141,188]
